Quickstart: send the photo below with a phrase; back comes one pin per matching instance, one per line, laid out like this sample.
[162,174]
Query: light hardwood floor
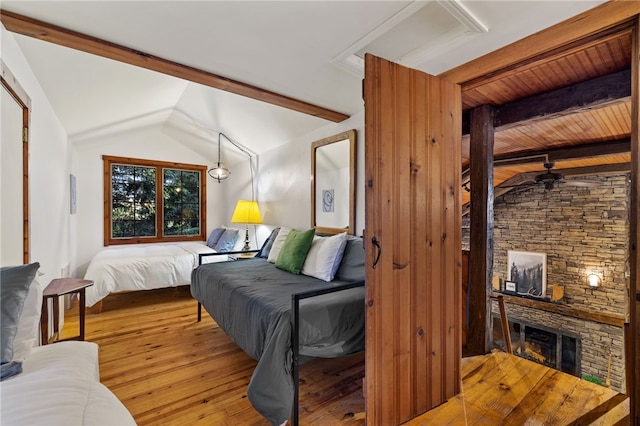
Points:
[169,369]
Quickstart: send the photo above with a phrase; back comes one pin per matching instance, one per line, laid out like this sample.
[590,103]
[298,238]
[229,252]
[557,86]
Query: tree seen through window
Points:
[153,201]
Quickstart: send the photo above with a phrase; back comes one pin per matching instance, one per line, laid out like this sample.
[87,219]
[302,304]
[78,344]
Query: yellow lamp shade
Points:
[247,212]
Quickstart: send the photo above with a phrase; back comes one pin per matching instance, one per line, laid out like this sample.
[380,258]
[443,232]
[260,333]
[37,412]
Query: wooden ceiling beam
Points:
[597,92]
[599,169]
[509,184]
[26,26]
[599,149]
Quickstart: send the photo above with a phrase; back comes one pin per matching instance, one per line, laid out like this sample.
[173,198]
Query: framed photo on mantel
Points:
[528,270]
[510,287]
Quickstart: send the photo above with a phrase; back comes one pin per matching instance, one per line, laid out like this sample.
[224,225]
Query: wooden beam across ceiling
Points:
[599,149]
[26,26]
[521,178]
[589,94]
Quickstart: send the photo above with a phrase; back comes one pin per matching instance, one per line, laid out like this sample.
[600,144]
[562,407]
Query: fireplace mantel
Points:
[616,320]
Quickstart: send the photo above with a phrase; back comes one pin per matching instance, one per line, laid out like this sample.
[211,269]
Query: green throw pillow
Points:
[294,250]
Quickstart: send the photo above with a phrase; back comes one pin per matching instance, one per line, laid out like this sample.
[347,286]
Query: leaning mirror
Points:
[333,177]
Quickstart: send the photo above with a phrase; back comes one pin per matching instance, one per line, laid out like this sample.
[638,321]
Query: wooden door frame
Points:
[546,42]
[13,87]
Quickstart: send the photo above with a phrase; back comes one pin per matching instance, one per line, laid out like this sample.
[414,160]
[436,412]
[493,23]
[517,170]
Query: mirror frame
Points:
[349,135]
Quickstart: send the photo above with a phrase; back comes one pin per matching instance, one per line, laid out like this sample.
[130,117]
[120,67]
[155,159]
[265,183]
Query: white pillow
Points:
[277,244]
[325,254]
[29,324]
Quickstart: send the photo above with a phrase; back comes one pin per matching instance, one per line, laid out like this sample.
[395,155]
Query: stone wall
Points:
[581,231]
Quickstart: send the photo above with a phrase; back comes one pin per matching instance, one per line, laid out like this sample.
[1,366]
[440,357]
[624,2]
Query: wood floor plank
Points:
[503,389]
[617,415]
[169,369]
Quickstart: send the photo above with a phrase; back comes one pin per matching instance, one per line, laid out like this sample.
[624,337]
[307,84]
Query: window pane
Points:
[133,201]
[122,228]
[190,195]
[121,174]
[145,228]
[191,179]
[172,177]
[181,202]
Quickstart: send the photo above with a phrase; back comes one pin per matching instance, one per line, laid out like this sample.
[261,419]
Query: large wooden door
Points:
[413,241]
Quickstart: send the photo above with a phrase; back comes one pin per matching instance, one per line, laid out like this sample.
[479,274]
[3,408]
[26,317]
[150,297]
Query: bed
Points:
[145,267]
[60,385]
[251,300]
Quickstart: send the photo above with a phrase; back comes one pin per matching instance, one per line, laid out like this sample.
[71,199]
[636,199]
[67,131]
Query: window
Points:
[152,201]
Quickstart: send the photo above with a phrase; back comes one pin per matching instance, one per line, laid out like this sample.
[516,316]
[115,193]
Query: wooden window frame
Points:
[108,161]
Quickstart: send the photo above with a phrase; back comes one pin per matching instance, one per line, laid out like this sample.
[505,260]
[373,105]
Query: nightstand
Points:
[242,256]
[54,290]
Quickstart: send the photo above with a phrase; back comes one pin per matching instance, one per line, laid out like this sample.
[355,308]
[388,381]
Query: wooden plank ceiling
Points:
[571,106]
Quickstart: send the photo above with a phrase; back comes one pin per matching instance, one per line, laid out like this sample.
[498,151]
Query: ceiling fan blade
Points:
[582,183]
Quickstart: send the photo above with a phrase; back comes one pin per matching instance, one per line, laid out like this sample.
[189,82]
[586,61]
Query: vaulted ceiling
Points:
[308,51]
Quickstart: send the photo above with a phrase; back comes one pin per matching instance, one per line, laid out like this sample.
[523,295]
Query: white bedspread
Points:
[131,268]
[59,385]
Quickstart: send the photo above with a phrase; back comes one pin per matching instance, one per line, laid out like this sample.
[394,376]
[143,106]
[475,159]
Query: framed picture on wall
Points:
[528,270]
[73,205]
[328,201]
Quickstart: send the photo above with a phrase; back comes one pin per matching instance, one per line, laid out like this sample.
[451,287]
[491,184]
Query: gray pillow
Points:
[352,265]
[214,237]
[227,240]
[266,247]
[14,286]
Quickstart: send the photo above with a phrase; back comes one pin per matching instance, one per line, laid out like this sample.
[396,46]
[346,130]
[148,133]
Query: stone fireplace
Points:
[581,231]
[551,347]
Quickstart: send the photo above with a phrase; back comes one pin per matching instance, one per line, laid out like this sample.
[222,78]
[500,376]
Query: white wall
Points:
[148,142]
[50,163]
[283,181]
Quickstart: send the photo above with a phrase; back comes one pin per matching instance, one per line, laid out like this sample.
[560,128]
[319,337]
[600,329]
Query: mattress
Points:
[143,267]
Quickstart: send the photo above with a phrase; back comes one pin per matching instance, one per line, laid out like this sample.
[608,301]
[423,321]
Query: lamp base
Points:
[246,240]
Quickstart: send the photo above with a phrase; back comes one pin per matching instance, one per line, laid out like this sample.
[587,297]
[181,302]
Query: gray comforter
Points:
[251,301]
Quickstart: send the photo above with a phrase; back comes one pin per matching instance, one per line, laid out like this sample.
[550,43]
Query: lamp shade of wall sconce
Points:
[594,280]
[247,212]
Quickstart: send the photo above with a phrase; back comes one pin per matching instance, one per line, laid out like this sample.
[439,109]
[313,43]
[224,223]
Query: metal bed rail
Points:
[295,338]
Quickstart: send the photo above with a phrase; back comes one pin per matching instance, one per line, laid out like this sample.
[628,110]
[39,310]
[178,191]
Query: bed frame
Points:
[295,309]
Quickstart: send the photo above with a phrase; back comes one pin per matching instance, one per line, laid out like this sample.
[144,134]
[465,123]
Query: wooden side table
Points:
[242,256]
[54,290]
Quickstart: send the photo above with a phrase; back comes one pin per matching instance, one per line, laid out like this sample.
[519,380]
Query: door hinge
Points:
[25,134]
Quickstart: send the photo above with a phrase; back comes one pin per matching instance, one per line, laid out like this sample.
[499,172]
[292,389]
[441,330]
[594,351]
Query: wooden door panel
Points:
[412,157]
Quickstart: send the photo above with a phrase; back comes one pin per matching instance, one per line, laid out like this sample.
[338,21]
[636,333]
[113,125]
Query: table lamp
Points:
[247,212]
